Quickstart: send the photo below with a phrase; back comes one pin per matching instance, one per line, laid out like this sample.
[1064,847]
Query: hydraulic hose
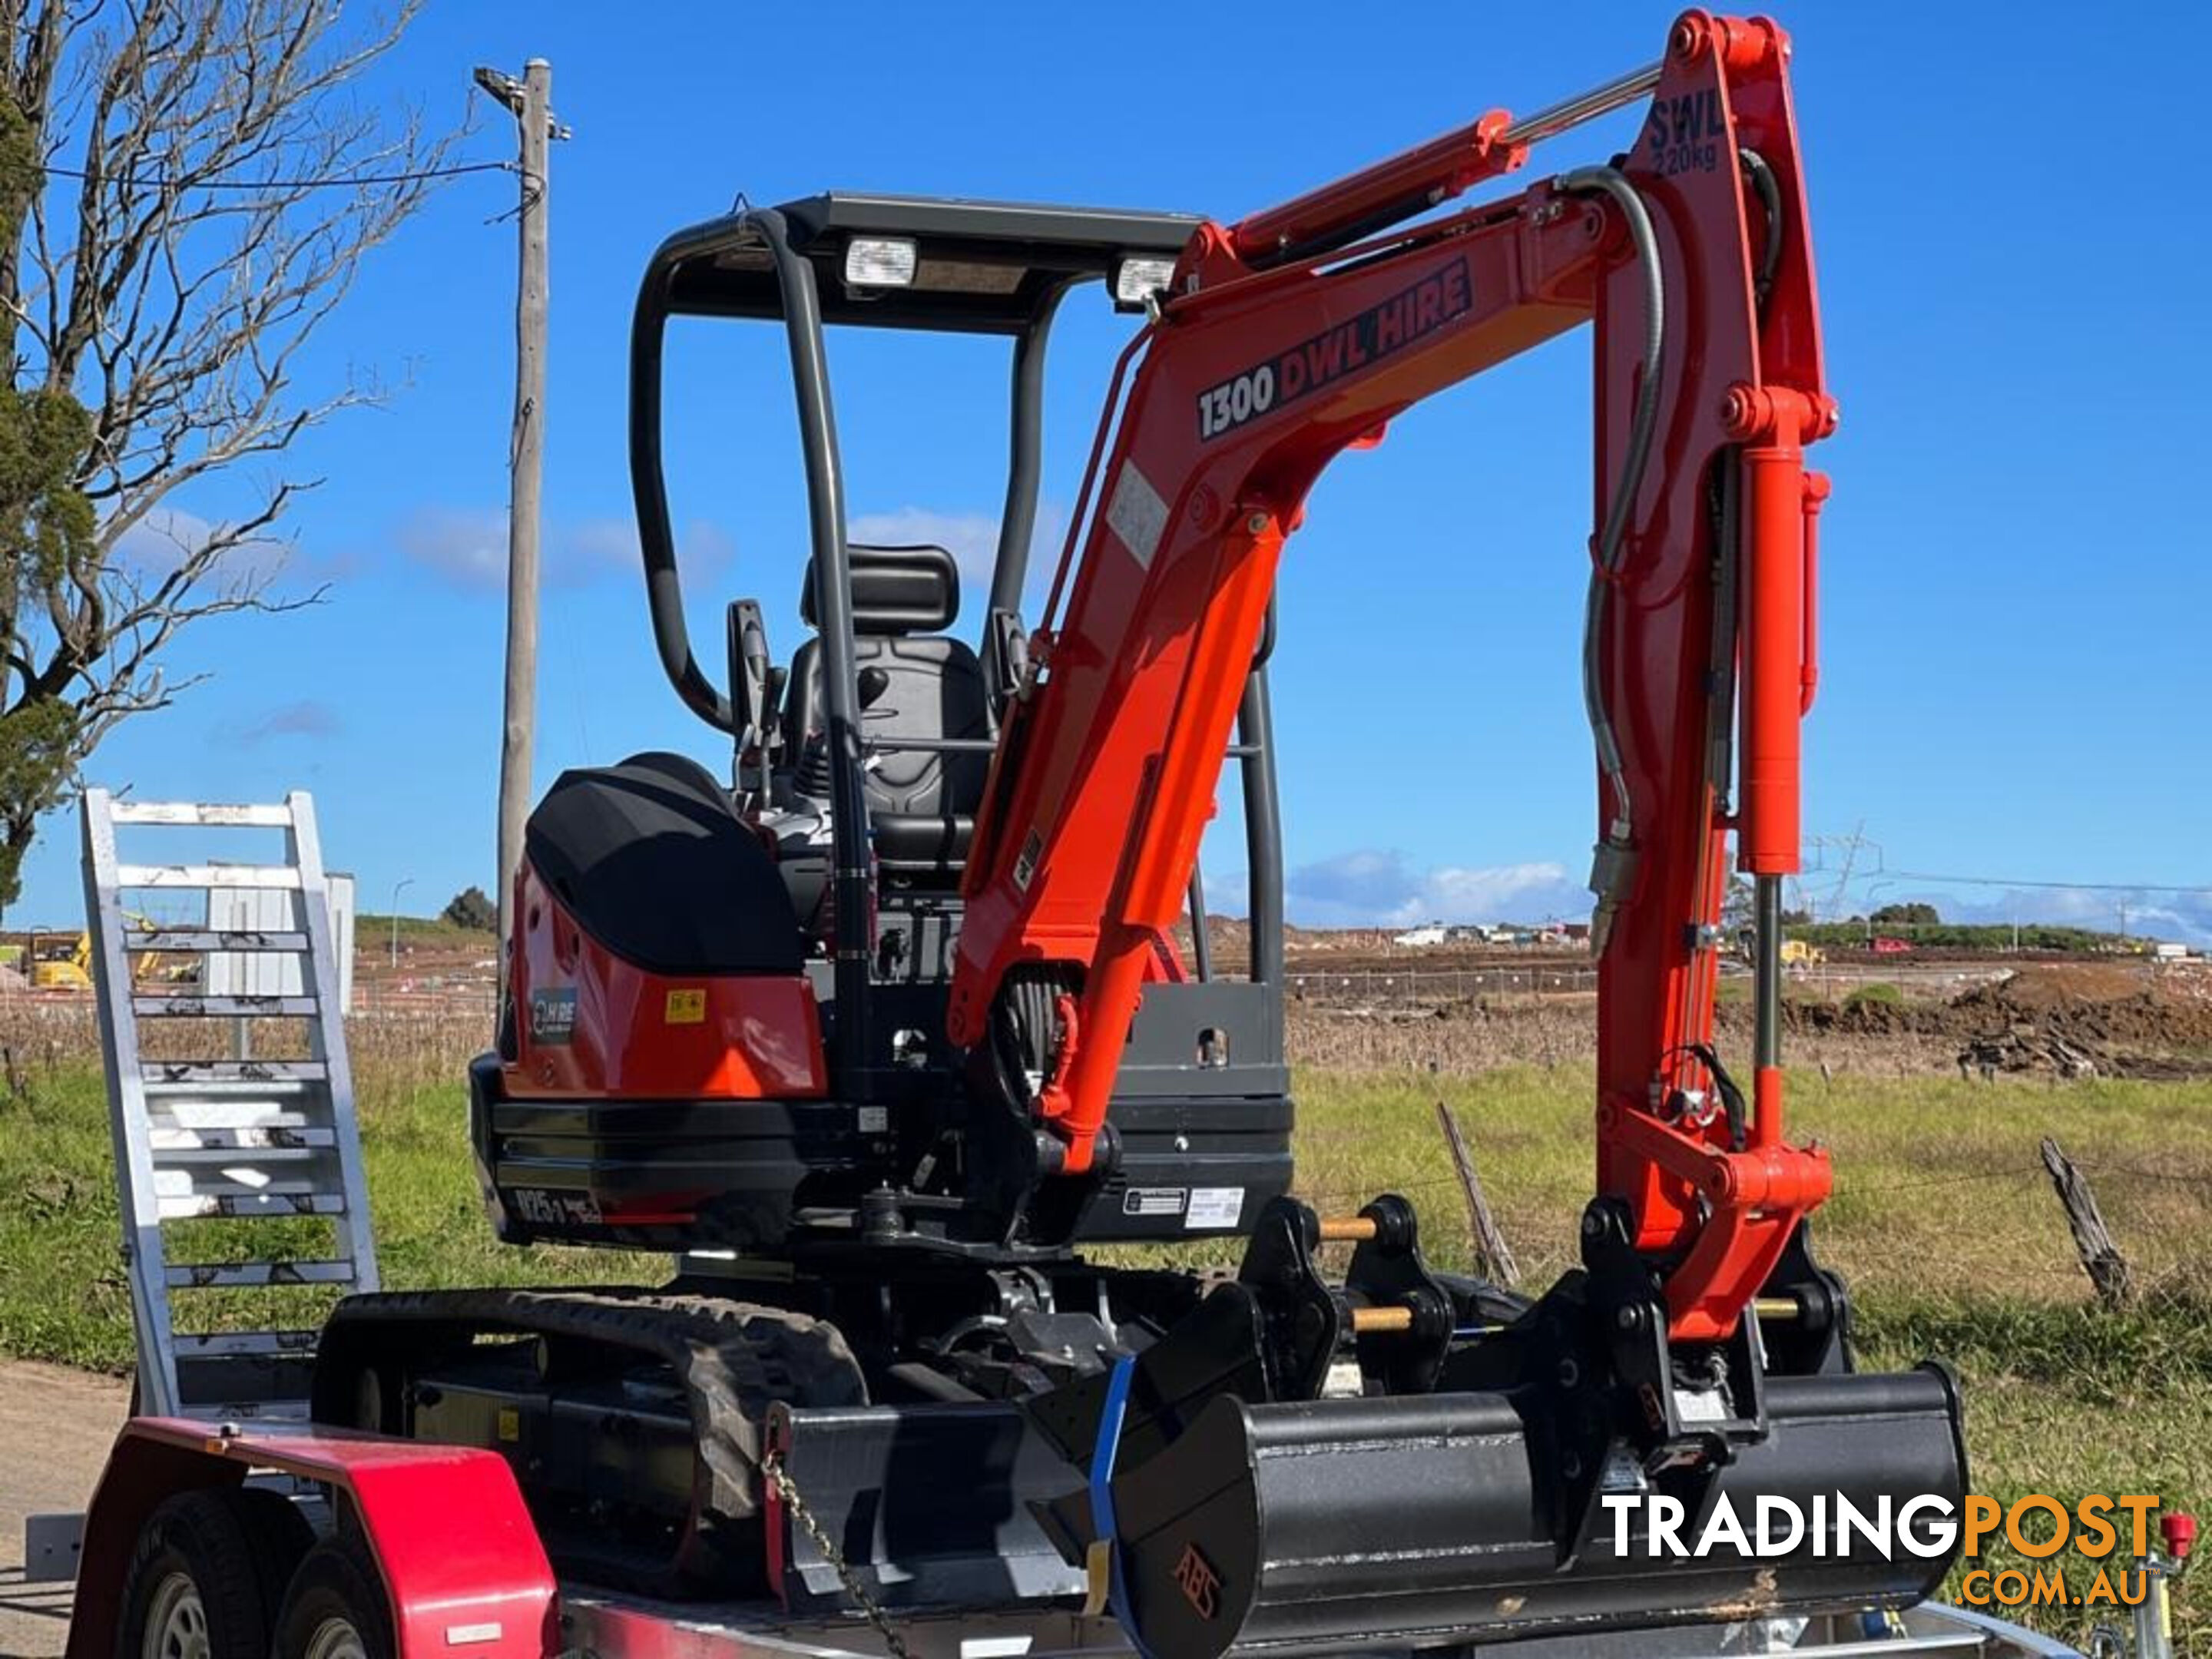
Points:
[1608,877]
[1763,184]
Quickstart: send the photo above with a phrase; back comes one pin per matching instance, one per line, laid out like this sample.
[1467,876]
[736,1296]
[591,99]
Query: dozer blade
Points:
[1282,1528]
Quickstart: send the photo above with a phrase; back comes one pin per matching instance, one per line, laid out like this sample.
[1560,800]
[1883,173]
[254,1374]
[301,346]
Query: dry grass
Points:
[1471,1036]
[1944,1224]
[1938,1181]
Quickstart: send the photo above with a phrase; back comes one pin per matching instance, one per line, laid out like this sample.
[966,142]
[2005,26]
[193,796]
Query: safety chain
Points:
[777,1476]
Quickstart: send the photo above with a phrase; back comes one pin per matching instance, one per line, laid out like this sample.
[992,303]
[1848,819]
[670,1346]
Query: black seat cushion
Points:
[652,861]
[908,843]
[893,590]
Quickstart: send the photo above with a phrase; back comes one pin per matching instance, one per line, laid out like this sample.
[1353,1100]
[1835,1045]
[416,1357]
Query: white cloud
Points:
[162,540]
[972,539]
[1375,888]
[591,548]
[167,536]
[305,719]
[2152,913]
[1371,887]
[467,547]
[2184,917]
[704,550]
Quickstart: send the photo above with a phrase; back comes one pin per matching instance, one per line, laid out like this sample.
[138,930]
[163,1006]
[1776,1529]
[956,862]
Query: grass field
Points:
[1943,1222]
[1945,1226]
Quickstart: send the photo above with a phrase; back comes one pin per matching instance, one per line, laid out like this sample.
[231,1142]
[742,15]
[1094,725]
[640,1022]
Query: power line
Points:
[2056,886]
[339,181]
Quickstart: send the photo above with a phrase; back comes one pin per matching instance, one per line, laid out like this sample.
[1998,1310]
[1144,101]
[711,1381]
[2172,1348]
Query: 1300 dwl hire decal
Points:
[1329,355]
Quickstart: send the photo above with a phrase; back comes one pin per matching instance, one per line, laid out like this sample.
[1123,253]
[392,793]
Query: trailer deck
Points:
[484,1591]
[593,1621]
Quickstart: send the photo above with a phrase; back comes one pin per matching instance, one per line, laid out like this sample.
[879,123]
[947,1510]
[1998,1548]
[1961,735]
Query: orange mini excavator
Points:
[877,1033]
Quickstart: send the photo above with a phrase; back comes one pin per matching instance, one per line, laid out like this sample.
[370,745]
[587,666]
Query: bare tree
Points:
[187,188]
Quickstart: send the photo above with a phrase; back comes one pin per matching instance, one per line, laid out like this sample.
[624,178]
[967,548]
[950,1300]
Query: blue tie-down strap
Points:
[1101,1498]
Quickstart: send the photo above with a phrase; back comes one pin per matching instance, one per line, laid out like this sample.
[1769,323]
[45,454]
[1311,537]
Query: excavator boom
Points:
[1285,339]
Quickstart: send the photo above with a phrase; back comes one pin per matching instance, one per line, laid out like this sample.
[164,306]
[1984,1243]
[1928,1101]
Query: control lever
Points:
[1009,647]
[752,687]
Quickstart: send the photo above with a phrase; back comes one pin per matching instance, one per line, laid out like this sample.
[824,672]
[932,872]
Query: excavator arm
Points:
[1305,330]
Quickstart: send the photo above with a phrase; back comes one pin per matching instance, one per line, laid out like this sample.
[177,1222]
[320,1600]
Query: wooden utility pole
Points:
[529,101]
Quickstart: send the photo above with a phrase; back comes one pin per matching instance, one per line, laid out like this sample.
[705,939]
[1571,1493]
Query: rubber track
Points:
[734,1359]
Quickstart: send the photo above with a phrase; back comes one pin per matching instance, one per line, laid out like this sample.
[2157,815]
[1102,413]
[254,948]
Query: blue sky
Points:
[2017,576]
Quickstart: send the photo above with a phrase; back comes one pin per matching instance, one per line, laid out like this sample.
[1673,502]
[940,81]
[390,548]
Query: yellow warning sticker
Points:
[687,1007]
[510,1425]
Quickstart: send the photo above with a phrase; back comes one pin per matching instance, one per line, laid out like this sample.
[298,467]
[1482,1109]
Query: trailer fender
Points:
[462,1563]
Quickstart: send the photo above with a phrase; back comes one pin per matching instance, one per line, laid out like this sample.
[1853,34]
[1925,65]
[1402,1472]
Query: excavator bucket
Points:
[1281,1528]
[1282,1471]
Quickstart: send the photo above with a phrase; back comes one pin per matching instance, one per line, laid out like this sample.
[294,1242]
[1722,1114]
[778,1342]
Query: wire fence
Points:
[1930,1189]
[1991,1234]
[1369,986]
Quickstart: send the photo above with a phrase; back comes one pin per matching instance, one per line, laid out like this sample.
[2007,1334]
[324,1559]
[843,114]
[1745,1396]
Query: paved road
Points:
[55,1427]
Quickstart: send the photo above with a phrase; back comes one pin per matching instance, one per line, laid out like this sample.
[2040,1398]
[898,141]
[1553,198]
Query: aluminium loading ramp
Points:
[252,1160]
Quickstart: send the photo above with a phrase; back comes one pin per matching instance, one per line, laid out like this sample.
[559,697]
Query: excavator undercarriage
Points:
[881,1034]
[1410,1454]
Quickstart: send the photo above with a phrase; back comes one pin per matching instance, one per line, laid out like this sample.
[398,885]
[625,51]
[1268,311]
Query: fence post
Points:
[1493,1257]
[2101,1257]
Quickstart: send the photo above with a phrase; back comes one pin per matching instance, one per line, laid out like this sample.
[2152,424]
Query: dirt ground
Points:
[2072,1019]
[57,1425]
[2055,1018]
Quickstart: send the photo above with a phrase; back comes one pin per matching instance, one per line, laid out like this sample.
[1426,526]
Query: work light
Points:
[1139,277]
[879,262]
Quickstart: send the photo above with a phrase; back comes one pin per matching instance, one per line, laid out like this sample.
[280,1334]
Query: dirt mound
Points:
[2048,986]
[2114,1001]
[2063,1018]
[1855,1016]
[2078,1019]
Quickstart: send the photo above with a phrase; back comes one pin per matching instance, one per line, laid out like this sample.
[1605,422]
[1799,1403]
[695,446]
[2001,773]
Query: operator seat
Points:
[914,682]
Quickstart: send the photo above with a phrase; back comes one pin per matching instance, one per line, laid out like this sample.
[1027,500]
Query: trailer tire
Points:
[282,1538]
[336,1608]
[196,1588]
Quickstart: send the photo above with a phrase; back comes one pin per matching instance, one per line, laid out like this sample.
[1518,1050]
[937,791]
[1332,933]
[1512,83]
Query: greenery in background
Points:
[1914,915]
[472,910]
[1880,992]
[1941,1221]
[1854,935]
[432,933]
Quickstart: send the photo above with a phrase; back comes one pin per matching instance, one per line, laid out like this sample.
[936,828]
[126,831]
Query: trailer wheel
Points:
[282,1538]
[196,1588]
[336,1608]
